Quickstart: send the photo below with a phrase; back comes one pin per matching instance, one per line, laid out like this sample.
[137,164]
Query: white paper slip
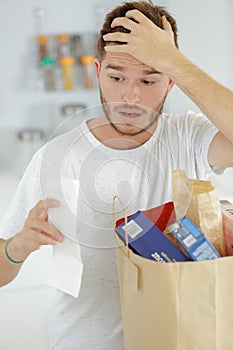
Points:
[65,215]
[66,267]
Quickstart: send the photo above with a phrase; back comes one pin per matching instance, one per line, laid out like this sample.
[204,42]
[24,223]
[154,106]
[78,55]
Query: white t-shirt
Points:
[141,177]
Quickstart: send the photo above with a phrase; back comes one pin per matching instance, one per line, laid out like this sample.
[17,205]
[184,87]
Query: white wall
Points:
[205,35]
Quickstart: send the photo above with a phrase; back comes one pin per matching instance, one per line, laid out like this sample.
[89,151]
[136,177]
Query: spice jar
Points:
[88,67]
[63,45]
[67,65]
[77,47]
[42,42]
[48,64]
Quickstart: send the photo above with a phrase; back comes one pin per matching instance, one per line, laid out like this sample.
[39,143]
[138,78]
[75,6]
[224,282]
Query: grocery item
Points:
[193,241]
[227,217]
[145,239]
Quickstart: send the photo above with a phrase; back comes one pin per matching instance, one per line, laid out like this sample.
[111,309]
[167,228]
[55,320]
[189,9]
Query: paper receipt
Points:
[66,267]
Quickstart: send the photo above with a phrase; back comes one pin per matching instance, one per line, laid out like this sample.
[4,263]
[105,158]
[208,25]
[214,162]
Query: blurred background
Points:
[47,75]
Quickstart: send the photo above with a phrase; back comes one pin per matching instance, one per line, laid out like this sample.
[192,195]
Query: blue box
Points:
[147,240]
[193,240]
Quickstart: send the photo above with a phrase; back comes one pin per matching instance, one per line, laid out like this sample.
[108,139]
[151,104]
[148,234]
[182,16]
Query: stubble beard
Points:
[131,132]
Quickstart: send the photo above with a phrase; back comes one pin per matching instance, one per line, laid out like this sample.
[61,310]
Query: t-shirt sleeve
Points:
[26,196]
[202,132]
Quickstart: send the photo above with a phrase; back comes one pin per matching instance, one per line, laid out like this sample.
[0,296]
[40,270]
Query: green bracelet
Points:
[8,256]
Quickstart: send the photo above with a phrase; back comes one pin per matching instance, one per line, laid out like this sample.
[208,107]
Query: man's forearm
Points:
[213,99]
[37,231]
[8,270]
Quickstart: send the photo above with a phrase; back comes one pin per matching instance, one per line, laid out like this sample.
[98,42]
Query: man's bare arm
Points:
[37,231]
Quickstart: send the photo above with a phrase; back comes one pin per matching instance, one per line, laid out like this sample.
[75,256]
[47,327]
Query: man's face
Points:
[132,93]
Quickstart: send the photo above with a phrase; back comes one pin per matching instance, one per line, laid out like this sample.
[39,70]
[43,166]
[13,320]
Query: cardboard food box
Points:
[193,240]
[147,240]
[227,218]
[161,216]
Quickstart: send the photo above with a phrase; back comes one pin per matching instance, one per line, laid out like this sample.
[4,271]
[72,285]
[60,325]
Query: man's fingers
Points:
[115,48]
[168,28]
[51,203]
[136,15]
[123,22]
[40,209]
[40,238]
[116,36]
[44,227]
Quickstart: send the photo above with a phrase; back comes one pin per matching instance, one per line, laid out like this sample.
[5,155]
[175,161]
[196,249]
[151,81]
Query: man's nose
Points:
[131,93]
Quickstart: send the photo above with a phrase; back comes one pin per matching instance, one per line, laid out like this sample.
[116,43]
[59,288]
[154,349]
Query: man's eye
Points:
[148,82]
[116,78]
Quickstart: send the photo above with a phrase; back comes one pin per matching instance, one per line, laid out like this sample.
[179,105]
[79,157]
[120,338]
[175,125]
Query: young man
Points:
[129,150]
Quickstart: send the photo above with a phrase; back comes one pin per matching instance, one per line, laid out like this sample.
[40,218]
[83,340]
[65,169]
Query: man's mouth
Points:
[129,116]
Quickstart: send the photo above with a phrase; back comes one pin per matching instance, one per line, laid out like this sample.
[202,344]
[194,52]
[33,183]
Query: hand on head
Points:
[145,41]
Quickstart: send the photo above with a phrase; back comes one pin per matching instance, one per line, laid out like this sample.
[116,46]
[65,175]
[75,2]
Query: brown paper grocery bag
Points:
[175,306]
[198,199]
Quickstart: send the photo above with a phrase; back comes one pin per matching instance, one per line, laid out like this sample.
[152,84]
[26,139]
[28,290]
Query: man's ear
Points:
[97,67]
[170,86]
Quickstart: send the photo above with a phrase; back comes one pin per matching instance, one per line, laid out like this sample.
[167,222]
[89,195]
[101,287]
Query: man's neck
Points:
[105,132]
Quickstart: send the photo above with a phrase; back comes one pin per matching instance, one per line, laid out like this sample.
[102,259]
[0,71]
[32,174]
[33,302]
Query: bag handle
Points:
[126,220]
[132,270]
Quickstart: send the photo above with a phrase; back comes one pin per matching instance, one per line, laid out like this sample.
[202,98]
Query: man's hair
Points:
[153,12]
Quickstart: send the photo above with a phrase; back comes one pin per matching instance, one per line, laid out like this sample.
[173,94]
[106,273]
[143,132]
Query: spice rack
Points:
[65,61]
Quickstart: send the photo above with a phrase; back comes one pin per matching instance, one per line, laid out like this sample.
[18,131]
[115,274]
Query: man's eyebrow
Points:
[114,66]
[150,71]
[121,69]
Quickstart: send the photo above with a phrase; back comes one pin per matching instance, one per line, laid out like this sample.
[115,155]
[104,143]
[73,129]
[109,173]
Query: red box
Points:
[161,216]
